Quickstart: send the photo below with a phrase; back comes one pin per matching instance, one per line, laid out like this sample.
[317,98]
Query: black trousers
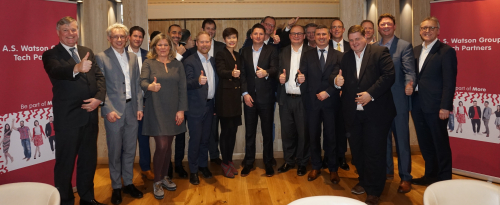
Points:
[294,133]
[476,125]
[81,141]
[180,147]
[229,128]
[316,118]
[368,140]
[340,133]
[434,142]
[213,141]
[252,114]
[51,142]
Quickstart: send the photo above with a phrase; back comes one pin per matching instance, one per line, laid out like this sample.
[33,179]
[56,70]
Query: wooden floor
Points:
[258,189]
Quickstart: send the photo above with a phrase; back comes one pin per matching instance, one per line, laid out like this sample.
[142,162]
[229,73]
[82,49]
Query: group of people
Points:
[27,137]
[474,114]
[358,90]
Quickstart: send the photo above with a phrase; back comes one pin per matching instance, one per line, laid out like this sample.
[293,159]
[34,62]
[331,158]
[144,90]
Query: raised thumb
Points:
[202,74]
[154,81]
[340,73]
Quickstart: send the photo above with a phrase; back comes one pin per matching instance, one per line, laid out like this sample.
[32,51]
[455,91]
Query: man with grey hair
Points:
[122,109]
[78,87]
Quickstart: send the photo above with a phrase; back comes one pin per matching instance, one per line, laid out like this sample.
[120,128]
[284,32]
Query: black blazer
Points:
[437,79]
[228,97]
[48,130]
[260,89]
[376,77]
[197,94]
[284,63]
[68,92]
[218,46]
[317,81]
[471,112]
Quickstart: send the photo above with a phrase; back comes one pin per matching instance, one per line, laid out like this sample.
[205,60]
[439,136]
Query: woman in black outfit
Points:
[228,99]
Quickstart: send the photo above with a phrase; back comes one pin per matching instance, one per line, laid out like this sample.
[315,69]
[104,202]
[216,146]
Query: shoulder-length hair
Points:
[152,51]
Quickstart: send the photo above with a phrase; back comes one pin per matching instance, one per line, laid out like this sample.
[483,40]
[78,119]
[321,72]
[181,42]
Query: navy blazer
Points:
[404,67]
[438,77]
[197,94]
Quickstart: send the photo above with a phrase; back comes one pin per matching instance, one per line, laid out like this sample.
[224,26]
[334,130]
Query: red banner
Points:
[470,28]
[29,30]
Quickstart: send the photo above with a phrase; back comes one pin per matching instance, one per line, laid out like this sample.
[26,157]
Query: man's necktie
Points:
[338,47]
[322,60]
[74,56]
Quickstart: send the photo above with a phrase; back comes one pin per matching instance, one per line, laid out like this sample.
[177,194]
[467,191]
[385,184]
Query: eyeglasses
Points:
[268,24]
[431,28]
[118,37]
[337,27]
[296,34]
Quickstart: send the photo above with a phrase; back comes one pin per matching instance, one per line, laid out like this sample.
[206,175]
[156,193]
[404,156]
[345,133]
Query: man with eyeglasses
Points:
[404,65]
[369,26]
[433,101]
[122,109]
[338,43]
[320,101]
[295,139]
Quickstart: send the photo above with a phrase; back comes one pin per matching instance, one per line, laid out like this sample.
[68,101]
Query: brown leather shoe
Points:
[372,200]
[313,174]
[358,189]
[148,174]
[404,187]
[334,177]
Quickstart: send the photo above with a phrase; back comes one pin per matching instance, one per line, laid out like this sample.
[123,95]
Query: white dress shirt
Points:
[291,86]
[255,58]
[359,60]
[139,57]
[325,53]
[423,55]
[123,60]
[209,72]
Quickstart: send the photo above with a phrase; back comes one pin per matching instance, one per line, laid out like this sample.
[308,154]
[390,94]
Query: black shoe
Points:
[343,163]
[424,181]
[116,197]
[91,202]
[206,172]
[134,192]
[273,162]
[217,161]
[244,162]
[285,167]
[179,169]
[170,172]
[269,170]
[246,170]
[193,179]
[325,164]
[301,171]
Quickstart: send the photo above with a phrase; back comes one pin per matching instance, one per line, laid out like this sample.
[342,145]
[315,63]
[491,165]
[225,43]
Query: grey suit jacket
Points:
[404,66]
[115,82]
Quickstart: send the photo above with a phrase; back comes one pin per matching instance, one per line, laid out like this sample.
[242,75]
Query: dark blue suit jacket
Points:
[197,94]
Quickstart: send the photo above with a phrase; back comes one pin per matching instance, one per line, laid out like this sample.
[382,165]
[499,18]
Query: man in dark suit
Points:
[338,43]
[135,41]
[310,35]
[210,27]
[50,133]
[175,32]
[404,68]
[258,82]
[201,80]
[270,37]
[365,79]
[78,87]
[295,139]
[337,32]
[320,100]
[475,117]
[121,110]
[433,101]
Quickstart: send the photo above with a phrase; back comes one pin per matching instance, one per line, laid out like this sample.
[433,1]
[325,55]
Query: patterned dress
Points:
[6,141]
[37,139]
